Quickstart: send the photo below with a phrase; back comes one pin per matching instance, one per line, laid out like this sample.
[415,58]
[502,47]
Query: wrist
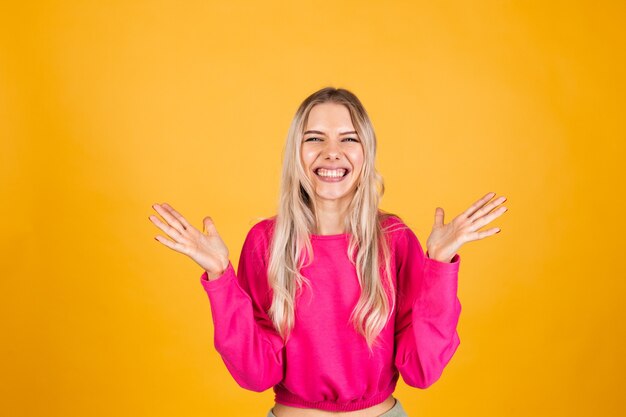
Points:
[213,275]
[436,258]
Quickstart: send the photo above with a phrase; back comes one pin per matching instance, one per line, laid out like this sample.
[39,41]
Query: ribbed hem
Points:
[287,398]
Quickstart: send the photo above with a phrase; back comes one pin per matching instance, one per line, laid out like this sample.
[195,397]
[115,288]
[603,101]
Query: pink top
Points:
[325,364]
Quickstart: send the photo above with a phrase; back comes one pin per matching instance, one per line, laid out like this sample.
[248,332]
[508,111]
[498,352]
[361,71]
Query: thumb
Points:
[439,216]
[208,226]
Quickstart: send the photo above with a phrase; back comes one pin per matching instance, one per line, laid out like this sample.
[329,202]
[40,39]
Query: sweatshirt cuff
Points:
[444,267]
[219,282]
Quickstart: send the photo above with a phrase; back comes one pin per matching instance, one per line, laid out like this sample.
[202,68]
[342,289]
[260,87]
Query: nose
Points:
[332,150]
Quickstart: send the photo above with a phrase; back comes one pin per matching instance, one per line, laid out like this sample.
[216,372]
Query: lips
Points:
[330,179]
[347,170]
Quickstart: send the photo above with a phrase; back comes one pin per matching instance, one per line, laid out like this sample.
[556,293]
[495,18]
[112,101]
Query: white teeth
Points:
[335,173]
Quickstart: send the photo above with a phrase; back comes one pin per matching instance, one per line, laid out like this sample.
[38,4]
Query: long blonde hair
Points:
[296,219]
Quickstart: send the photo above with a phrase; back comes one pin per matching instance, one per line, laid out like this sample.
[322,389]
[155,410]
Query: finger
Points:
[477,224]
[487,208]
[209,226]
[477,204]
[176,214]
[171,220]
[483,234]
[439,214]
[171,232]
[172,245]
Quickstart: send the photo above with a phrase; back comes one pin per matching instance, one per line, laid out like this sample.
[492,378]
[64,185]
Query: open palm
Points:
[206,249]
[446,239]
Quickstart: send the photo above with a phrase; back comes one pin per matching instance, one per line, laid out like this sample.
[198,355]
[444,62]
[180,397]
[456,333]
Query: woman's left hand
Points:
[446,239]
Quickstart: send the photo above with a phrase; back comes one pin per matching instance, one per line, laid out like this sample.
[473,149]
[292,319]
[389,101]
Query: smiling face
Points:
[330,142]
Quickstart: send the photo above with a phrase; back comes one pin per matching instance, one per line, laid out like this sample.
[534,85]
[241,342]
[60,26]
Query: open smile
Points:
[334,175]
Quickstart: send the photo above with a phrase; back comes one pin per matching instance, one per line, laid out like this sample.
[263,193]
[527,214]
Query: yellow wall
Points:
[109,107]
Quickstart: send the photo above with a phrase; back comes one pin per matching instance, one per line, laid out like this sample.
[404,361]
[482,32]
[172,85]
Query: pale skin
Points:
[331,141]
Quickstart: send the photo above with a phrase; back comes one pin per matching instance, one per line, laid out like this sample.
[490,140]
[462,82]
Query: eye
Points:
[354,139]
[311,138]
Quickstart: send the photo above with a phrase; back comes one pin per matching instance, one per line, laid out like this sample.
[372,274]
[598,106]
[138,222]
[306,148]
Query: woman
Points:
[333,298]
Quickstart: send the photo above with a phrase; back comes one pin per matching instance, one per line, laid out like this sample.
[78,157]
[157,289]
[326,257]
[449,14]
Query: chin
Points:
[324,196]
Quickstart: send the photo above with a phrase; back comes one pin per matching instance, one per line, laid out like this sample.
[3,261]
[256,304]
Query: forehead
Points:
[330,116]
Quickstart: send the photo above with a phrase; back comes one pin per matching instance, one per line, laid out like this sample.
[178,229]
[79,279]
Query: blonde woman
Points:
[333,299]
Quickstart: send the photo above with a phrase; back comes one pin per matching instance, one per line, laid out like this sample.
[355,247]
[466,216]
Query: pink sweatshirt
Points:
[325,363]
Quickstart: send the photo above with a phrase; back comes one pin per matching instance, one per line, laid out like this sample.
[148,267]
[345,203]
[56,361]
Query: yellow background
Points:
[109,107]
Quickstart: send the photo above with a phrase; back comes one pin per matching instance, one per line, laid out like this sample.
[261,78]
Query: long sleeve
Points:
[251,349]
[428,312]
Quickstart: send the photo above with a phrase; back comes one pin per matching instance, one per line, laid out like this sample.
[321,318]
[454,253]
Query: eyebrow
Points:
[322,133]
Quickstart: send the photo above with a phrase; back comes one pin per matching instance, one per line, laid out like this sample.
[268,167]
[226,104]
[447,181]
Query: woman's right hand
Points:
[207,250]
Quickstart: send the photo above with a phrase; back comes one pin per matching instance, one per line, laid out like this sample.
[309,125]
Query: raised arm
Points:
[428,312]
[250,347]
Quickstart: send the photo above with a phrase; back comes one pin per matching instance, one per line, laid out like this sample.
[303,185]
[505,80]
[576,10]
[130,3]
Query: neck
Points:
[330,218]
